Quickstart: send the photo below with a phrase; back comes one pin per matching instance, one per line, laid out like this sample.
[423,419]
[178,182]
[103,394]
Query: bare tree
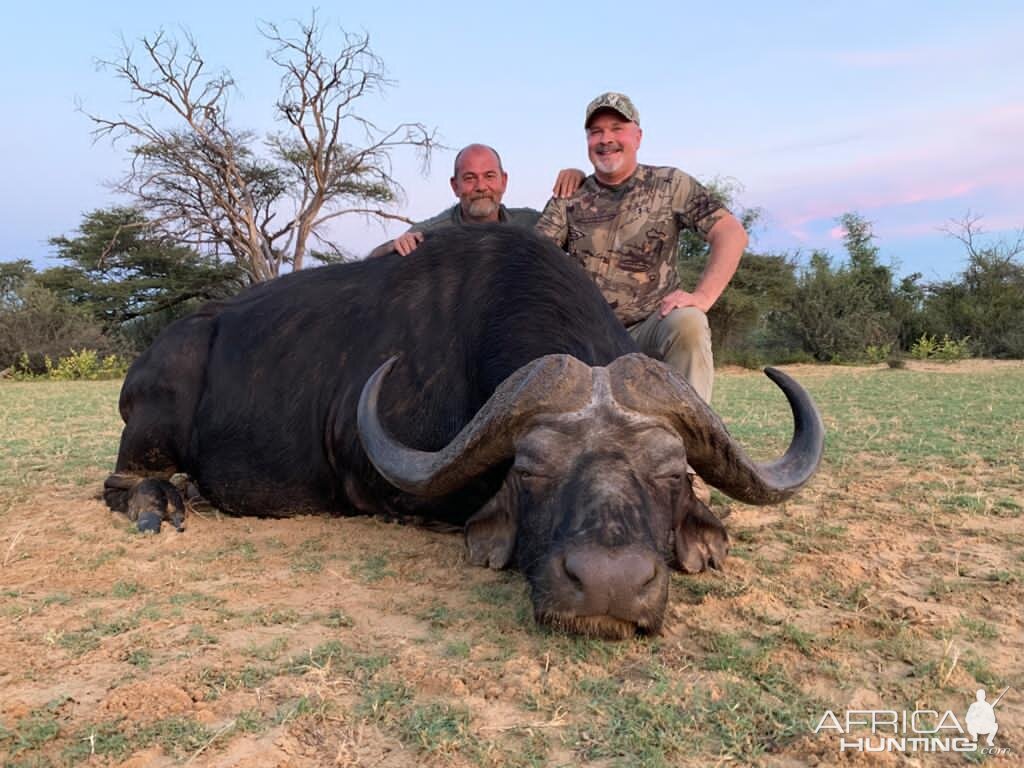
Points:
[968,230]
[199,178]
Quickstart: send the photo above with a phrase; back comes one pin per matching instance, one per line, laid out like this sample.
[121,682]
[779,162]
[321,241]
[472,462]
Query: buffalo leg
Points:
[157,403]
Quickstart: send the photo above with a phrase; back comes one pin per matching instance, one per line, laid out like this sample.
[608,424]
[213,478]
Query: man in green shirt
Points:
[479,181]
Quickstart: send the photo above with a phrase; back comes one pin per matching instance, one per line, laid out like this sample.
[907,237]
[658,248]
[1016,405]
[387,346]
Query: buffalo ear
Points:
[491,532]
[701,540]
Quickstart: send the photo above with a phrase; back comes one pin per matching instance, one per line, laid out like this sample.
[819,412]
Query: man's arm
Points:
[727,239]
[405,244]
[554,223]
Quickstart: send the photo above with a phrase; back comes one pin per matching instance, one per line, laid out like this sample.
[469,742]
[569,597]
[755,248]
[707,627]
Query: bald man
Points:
[479,181]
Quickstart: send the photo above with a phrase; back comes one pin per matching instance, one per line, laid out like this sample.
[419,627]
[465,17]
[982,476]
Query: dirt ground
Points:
[357,642]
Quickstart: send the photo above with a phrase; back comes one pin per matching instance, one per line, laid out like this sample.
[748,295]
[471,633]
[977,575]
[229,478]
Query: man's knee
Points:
[688,327]
[686,346]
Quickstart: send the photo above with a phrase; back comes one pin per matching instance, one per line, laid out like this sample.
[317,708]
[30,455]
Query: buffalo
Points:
[482,382]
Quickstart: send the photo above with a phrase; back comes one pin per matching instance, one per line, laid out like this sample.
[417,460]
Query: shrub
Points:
[924,347]
[947,349]
[36,323]
[878,353]
[85,364]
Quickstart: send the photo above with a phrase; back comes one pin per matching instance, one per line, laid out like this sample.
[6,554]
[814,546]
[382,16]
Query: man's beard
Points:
[482,208]
[611,162]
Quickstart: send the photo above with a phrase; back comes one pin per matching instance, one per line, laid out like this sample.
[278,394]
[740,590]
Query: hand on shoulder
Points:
[568,181]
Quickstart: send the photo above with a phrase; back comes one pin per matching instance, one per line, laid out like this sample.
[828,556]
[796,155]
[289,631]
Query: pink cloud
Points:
[828,201]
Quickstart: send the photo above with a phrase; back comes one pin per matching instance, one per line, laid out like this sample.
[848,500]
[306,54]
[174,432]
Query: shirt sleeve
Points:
[695,207]
[553,222]
[435,222]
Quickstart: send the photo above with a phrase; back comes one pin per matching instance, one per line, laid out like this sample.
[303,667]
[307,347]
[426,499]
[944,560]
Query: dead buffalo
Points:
[482,381]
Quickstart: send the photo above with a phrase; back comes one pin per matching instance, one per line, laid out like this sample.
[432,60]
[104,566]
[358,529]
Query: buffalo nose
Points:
[623,582]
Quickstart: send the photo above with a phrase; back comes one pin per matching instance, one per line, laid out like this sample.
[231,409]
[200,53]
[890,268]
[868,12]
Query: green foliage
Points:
[83,364]
[119,288]
[839,311]
[13,277]
[131,280]
[746,320]
[86,364]
[947,349]
[36,323]
[924,347]
[987,302]
[877,353]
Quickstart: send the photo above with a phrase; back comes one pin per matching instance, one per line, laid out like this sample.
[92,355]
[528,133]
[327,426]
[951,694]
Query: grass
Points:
[891,574]
[89,638]
[911,417]
[372,568]
[34,730]
[82,449]
[179,737]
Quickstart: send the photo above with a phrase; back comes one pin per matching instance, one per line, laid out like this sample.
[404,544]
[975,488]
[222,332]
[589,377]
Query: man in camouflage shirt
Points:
[623,225]
[479,182]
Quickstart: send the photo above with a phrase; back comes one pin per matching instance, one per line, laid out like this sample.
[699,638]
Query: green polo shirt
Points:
[452,217]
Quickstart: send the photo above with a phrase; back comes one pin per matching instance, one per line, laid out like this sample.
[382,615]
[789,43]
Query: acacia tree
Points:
[201,181]
[120,272]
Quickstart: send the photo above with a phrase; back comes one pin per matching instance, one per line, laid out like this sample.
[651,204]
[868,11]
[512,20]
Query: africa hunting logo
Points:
[922,730]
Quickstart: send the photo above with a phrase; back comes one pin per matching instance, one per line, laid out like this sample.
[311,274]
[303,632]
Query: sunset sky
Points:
[911,114]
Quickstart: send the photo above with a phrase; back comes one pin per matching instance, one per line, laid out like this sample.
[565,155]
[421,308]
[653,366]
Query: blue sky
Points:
[910,113]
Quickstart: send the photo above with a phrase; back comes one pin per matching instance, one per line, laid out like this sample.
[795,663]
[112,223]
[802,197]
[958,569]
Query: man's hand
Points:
[568,181]
[680,299]
[406,243]
[727,239]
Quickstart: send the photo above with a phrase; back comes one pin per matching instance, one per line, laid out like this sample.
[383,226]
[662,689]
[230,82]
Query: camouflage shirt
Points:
[452,217]
[626,236]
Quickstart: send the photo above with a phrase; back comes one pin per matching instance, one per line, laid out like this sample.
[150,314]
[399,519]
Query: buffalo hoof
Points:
[149,522]
[152,501]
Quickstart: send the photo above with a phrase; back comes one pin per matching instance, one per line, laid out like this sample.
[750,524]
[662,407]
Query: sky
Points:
[908,113]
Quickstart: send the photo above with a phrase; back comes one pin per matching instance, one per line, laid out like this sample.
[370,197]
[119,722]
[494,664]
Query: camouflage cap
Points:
[619,102]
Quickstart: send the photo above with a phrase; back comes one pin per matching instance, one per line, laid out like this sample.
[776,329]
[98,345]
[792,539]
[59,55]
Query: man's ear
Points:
[491,532]
[455,189]
[701,540]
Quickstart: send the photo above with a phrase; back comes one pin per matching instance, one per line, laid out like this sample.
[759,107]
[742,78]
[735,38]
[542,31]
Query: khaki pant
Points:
[683,340]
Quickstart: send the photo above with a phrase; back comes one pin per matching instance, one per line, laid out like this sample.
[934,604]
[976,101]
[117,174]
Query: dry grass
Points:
[894,581]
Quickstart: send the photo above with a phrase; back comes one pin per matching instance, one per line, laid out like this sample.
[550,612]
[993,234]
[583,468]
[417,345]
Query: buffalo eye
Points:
[530,473]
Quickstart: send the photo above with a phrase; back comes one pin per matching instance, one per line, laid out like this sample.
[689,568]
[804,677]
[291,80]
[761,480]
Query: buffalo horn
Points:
[648,386]
[548,384]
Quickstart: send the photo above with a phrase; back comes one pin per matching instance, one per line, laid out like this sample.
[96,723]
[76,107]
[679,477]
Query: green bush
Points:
[878,353]
[950,350]
[947,349]
[924,347]
[36,323]
[84,364]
